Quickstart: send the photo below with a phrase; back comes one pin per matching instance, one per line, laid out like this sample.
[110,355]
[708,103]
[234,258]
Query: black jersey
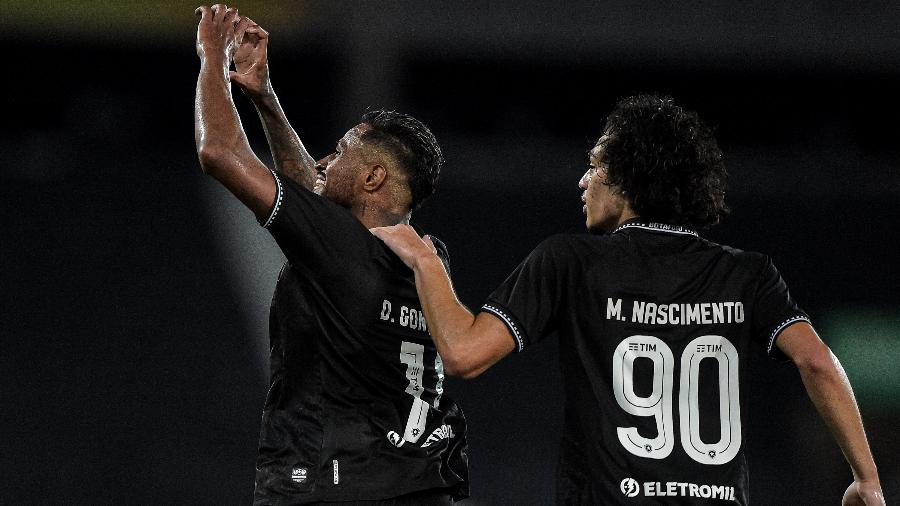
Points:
[355,408]
[655,325]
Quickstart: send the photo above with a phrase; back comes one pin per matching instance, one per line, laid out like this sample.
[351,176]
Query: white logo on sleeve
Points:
[298,474]
[629,487]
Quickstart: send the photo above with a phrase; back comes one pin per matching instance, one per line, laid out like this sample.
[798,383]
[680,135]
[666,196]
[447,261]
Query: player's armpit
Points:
[487,341]
[246,177]
[802,345]
[468,344]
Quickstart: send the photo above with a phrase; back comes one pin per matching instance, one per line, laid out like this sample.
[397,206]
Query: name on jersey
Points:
[676,314]
[631,488]
[408,317]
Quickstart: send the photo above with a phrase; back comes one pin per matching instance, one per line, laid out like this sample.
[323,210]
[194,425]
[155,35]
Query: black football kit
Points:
[655,328]
[355,408]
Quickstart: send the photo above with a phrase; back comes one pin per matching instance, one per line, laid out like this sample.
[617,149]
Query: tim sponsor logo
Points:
[631,488]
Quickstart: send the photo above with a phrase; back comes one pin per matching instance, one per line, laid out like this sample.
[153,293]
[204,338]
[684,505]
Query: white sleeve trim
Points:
[278,197]
[520,343]
[782,326]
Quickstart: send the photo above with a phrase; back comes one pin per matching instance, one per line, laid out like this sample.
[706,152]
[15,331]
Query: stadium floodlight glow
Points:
[865,340]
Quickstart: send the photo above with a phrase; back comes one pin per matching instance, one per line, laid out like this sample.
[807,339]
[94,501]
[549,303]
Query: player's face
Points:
[604,205]
[339,173]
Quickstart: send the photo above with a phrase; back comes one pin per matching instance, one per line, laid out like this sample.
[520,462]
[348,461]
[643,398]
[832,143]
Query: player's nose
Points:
[583,182]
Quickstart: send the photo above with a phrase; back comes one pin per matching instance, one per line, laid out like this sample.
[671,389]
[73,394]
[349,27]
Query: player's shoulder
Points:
[580,242]
[563,243]
[735,252]
[303,206]
[751,259]
[569,247]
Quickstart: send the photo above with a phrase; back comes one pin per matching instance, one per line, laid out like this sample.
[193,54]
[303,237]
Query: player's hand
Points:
[216,32]
[406,243]
[863,493]
[251,63]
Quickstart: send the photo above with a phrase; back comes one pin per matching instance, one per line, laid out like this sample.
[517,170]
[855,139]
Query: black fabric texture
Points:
[655,328]
[355,409]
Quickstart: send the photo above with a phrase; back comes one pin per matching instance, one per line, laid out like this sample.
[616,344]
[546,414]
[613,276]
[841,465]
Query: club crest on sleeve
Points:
[298,474]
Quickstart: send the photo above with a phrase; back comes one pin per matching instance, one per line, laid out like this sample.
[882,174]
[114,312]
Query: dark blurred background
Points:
[135,290]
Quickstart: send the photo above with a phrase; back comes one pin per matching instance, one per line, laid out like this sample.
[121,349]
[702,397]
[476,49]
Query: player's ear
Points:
[375,177]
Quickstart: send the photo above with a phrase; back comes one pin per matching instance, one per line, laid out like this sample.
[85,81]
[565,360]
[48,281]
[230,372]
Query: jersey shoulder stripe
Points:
[513,328]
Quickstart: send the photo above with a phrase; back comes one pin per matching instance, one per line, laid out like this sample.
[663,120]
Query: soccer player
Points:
[655,324]
[355,412]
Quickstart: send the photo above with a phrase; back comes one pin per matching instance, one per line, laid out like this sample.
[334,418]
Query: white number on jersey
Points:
[413,355]
[659,403]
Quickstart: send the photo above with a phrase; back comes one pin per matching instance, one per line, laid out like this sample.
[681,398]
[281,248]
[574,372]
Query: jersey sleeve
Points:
[774,309]
[527,301]
[314,232]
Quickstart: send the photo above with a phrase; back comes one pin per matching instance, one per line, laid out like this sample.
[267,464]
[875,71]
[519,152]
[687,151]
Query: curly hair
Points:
[412,144]
[665,161]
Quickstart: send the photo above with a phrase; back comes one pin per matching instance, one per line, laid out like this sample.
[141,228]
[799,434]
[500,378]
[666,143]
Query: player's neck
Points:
[626,213]
[372,217]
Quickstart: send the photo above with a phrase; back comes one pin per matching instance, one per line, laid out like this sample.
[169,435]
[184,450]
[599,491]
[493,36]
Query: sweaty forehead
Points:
[354,133]
[596,152]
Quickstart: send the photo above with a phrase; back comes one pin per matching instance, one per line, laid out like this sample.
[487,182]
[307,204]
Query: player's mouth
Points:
[584,207]
[319,184]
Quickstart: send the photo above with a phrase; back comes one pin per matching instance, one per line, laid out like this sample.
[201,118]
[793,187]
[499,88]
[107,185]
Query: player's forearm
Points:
[222,146]
[221,141]
[290,156]
[448,319]
[830,390]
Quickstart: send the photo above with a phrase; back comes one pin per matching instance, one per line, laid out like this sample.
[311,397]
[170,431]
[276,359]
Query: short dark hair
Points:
[412,144]
[666,161]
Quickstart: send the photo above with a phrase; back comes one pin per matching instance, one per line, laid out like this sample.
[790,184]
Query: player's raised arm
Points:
[828,387]
[251,73]
[221,142]
[468,344]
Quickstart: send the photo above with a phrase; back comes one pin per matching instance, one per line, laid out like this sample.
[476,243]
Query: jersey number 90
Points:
[659,403]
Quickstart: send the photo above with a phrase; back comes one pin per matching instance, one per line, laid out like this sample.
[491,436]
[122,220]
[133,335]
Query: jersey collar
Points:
[656,227]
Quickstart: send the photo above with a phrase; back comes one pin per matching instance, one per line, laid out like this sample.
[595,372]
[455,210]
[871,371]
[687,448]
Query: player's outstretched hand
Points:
[863,493]
[216,32]
[406,243]
[251,63]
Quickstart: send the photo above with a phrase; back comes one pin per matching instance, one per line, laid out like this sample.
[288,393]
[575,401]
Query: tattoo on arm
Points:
[290,156]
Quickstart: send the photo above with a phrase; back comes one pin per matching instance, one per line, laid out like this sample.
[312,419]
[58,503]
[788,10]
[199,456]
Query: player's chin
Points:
[594,226]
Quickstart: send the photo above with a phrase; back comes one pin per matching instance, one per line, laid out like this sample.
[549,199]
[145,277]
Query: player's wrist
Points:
[264,98]
[212,61]
[426,261]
